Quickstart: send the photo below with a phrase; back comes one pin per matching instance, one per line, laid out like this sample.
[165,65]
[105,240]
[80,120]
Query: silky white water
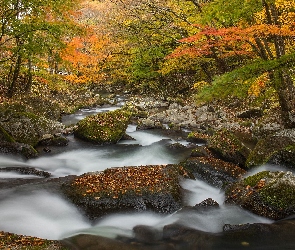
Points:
[47,215]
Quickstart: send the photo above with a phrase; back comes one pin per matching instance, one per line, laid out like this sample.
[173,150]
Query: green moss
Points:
[4,136]
[106,127]
[254,179]
[281,196]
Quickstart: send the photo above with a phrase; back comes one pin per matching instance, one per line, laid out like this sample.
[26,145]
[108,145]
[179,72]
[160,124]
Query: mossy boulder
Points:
[268,194]
[214,171]
[16,148]
[275,149]
[145,188]
[103,128]
[226,146]
[27,127]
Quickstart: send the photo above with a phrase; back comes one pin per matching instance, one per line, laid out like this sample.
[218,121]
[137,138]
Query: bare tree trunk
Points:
[13,81]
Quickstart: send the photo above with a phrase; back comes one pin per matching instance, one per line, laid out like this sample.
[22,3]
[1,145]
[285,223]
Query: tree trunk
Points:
[13,81]
[286,92]
[29,77]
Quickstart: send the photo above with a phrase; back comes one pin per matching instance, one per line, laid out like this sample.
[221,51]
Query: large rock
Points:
[225,145]
[278,149]
[108,127]
[145,188]
[27,127]
[214,171]
[268,194]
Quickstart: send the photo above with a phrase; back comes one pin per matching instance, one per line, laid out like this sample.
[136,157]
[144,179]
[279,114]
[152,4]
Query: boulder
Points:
[16,148]
[277,148]
[268,194]
[27,127]
[226,146]
[103,128]
[145,188]
[214,171]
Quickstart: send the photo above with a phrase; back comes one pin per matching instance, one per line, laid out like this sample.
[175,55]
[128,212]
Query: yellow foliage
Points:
[258,85]
[200,84]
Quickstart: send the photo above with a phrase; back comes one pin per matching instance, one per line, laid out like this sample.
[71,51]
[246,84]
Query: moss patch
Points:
[102,128]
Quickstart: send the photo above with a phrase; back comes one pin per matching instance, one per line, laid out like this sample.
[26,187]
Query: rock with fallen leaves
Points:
[103,128]
[14,241]
[144,188]
[268,194]
[213,171]
[226,146]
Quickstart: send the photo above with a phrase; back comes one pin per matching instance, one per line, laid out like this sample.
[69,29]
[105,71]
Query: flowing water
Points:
[47,215]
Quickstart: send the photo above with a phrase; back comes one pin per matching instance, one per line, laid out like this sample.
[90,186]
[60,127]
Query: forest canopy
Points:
[213,49]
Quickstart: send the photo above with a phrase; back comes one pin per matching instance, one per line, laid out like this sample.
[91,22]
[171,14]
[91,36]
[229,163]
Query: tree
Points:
[262,32]
[30,31]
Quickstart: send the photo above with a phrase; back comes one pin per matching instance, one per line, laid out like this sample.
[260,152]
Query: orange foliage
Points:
[84,58]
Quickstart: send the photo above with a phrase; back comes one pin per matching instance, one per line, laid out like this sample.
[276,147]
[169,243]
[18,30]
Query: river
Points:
[47,215]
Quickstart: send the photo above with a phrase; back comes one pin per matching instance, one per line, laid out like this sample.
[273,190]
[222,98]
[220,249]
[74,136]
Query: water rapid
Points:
[48,215]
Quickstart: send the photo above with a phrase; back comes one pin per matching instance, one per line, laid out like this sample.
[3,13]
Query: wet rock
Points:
[207,203]
[214,171]
[26,171]
[201,151]
[53,140]
[145,188]
[16,148]
[278,149]
[251,113]
[146,234]
[197,137]
[225,145]
[149,124]
[103,128]
[268,194]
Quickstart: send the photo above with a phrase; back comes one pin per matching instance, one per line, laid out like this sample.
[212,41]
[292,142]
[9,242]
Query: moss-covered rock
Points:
[17,148]
[225,145]
[273,149]
[145,188]
[108,127]
[214,171]
[268,194]
[29,128]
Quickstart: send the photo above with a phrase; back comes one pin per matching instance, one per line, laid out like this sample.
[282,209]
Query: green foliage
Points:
[237,82]
[229,13]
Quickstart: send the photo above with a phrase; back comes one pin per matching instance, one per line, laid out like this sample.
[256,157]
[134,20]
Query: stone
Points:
[103,128]
[268,194]
[214,171]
